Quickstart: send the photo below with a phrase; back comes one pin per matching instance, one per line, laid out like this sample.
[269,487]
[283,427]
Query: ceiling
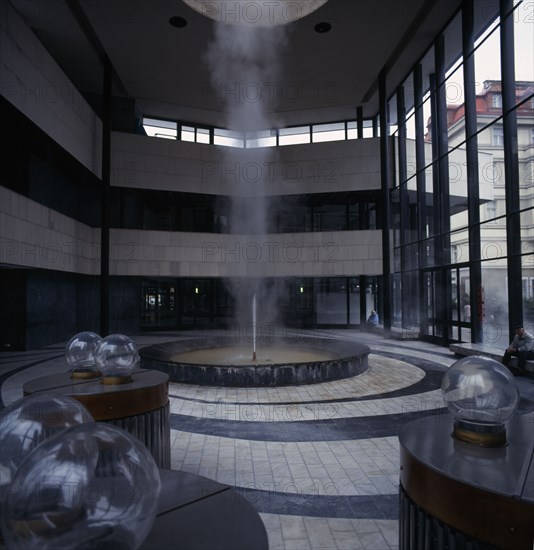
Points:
[322,77]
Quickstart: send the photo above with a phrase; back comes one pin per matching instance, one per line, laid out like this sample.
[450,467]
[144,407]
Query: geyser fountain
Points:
[249,55]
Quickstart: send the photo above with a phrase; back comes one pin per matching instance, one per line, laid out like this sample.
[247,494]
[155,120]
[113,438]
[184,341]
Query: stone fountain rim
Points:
[351,361]
[161,352]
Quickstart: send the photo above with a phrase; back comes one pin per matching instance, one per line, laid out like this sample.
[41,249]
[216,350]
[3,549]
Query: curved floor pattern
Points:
[318,462]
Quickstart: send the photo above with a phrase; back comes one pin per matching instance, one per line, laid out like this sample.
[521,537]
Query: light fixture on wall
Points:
[255,12]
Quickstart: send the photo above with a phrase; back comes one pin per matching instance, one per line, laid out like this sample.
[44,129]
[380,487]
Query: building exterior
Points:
[463,270]
[123,219]
[493,212]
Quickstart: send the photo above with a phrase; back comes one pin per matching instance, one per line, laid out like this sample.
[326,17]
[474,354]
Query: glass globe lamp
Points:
[28,422]
[482,395]
[80,355]
[116,357]
[91,486]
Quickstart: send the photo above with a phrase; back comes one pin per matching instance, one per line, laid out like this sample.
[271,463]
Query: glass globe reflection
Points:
[80,354]
[29,421]
[91,486]
[481,394]
[116,356]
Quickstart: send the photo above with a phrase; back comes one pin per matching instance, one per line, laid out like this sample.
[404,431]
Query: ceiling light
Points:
[178,22]
[322,27]
[259,13]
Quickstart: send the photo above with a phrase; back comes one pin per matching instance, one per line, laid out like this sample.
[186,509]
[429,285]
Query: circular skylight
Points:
[262,13]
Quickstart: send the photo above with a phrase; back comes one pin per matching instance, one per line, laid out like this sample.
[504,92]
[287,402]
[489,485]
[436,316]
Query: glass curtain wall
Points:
[463,196]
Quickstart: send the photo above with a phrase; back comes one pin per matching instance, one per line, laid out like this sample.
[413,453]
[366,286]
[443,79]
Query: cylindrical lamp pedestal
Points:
[455,494]
[140,406]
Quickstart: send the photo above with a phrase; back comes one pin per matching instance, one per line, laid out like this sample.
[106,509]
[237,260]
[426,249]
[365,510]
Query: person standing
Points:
[522,346]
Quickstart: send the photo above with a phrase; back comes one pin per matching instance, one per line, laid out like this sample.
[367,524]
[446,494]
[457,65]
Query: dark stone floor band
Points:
[328,506]
[334,429]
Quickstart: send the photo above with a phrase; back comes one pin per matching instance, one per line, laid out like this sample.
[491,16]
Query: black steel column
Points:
[375,126]
[473,184]
[421,182]
[104,225]
[444,225]
[386,200]
[407,300]
[442,151]
[363,299]
[347,296]
[359,122]
[435,220]
[511,168]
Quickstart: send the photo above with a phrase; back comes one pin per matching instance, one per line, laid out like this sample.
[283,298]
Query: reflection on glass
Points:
[454,87]
[458,188]
[459,246]
[527,280]
[411,166]
[523,41]
[464,297]
[488,79]
[396,160]
[493,245]
[430,228]
[491,171]
[413,212]
[453,47]
[427,115]
[494,303]
[409,94]
[331,301]
[527,232]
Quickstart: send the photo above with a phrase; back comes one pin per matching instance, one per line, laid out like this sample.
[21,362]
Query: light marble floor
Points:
[319,462]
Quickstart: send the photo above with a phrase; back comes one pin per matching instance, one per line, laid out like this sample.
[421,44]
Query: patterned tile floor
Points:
[318,462]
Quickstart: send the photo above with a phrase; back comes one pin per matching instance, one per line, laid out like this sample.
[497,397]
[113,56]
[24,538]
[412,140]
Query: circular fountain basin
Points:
[282,362]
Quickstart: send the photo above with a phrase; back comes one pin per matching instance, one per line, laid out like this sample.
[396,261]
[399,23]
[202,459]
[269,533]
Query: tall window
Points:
[436,277]
[496,101]
[497,136]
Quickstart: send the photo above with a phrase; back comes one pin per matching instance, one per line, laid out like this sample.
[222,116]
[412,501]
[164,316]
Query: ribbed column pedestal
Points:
[456,495]
[141,407]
